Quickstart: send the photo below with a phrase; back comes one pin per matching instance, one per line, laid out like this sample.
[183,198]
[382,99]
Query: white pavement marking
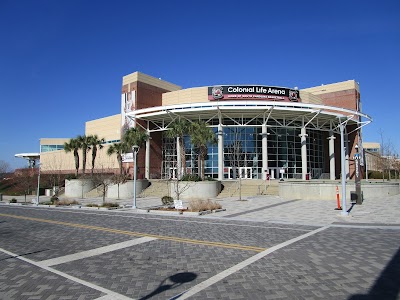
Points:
[113,295]
[93,252]
[218,277]
[369,226]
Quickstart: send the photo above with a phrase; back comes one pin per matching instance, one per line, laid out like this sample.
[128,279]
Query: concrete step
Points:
[94,193]
[157,188]
[249,188]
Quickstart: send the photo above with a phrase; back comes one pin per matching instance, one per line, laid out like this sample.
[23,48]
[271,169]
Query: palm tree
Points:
[84,142]
[179,128]
[73,145]
[134,136]
[95,143]
[201,135]
[119,149]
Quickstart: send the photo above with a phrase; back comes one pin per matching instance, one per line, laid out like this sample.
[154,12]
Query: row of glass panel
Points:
[243,154]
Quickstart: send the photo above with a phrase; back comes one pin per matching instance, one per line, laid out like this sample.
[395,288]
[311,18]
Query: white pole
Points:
[332,162]
[135,150]
[178,158]
[38,187]
[343,161]
[264,145]
[220,152]
[303,137]
[147,158]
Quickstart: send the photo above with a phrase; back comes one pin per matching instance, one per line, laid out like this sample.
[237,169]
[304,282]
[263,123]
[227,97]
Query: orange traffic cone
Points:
[338,199]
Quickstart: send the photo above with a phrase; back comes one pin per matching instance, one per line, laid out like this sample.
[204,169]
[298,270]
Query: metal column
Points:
[303,136]
[220,153]
[332,156]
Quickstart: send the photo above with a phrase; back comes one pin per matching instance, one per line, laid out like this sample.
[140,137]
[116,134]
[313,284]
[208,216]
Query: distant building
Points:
[372,147]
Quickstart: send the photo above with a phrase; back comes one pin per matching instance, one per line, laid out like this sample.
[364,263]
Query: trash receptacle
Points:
[307,176]
[353,197]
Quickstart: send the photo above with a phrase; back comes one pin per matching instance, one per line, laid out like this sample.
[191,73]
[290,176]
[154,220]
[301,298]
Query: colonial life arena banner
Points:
[252,92]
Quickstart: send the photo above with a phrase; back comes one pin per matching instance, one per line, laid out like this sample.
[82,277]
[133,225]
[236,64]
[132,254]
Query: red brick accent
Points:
[345,99]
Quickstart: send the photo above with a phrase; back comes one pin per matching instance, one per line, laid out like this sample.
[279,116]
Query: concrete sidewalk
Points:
[382,211]
[312,212]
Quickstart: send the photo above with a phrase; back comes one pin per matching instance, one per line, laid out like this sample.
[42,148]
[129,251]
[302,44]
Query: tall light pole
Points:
[135,150]
[38,186]
[358,176]
[343,164]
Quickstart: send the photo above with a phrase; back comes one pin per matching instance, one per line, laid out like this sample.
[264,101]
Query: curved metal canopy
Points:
[253,113]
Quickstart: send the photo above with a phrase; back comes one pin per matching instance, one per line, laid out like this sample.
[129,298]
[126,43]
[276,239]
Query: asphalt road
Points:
[50,253]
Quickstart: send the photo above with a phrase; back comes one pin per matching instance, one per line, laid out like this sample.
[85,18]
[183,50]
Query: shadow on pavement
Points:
[387,286]
[351,207]
[177,279]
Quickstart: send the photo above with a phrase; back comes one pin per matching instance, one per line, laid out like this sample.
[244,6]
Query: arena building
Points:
[262,131]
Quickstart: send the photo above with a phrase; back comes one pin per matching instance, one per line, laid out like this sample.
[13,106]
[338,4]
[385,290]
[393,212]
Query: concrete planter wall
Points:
[190,190]
[317,190]
[78,187]
[48,192]
[126,189]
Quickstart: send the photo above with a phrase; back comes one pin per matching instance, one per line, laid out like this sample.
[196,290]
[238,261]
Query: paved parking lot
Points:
[261,248]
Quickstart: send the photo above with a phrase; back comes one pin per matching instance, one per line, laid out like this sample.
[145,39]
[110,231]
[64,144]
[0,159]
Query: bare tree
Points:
[26,180]
[84,180]
[396,166]
[119,179]
[235,157]
[53,173]
[103,180]
[387,156]
[4,168]
[179,187]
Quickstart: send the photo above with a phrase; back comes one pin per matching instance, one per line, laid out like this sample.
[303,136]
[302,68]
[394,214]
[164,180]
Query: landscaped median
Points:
[195,207]
[66,203]
[167,206]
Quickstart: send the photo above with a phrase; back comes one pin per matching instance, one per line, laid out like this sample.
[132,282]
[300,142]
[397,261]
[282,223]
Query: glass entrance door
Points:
[172,173]
[244,172]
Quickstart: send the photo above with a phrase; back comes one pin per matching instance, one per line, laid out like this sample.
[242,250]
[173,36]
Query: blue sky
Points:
[62,62]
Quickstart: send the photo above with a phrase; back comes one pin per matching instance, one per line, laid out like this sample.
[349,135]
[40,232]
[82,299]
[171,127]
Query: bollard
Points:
[338,199]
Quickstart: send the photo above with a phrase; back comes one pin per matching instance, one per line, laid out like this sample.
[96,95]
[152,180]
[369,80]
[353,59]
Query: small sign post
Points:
[267,180]
[178,204]
[358,176]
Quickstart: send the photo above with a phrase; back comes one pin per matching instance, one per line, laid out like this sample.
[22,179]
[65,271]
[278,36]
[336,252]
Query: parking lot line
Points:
[96,251]
[111,294]
[220,276]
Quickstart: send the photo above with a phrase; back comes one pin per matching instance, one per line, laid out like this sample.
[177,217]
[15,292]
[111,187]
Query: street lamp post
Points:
[358,176]
[135,150]
[343,167]
[38,186]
